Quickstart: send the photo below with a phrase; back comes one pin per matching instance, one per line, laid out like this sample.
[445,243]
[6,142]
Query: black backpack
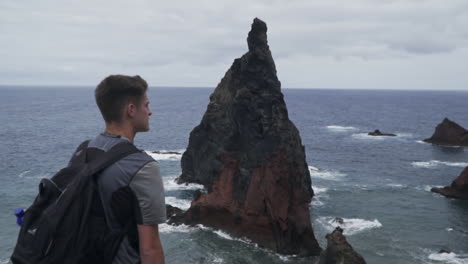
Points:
[66,224]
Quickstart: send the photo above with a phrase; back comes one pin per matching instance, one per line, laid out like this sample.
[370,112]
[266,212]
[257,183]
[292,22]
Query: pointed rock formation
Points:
[250,158]
[449,133]
[458,188]
[339,251]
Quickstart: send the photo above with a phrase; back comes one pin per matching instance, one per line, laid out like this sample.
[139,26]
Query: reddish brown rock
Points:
[273,214]
[449,133]
[458,188]
[250,158]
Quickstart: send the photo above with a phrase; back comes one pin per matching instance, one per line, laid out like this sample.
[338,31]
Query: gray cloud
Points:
[192,43]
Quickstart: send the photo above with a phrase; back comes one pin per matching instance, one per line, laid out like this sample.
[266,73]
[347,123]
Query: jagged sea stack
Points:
[449,133]
[250,158]
[339,251]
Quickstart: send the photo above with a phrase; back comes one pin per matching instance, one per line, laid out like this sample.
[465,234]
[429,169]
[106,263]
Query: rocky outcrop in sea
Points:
[458,188]
[249,157]
[449,133]
[377,133]
[339,251]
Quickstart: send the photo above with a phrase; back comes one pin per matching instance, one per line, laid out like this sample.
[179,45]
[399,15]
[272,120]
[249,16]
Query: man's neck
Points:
[121,130]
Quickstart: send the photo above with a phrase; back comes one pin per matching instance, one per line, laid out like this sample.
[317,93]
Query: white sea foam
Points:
[341,128]
[364,187]
[449,229]
[350,226]
[21,175]
[428,188]
[365,136]
[218,260]
[435,163]
[326,175]
[450,258]
[166,156]
[404,135]
[316,202]
[245,240]
[27,175]
[420,142]
[396,185]
[166,228]
[170,184]
[319,190]
[180,203]
[223,235]
[312,168]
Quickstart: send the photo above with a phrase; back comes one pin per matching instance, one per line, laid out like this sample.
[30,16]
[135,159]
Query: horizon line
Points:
[207,87]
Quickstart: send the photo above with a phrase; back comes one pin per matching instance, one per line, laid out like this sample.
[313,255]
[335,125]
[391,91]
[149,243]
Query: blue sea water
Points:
[379,186]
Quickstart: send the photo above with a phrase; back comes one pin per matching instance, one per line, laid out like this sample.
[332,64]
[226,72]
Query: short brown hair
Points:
[116,91]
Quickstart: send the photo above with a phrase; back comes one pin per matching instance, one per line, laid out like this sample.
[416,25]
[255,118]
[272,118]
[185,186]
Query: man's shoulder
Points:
[105,141]
[141,156]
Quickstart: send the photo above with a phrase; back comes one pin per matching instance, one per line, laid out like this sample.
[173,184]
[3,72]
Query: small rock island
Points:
[377,133]
[458,189]
[449,133]
[339,251]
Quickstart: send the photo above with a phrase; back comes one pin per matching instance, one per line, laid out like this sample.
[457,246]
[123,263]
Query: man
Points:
[131,190]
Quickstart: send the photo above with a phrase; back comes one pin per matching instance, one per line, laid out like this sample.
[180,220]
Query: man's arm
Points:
[150,210]
[151,251]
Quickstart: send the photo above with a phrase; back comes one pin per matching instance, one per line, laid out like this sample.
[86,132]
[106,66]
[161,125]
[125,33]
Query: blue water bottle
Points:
[19,216]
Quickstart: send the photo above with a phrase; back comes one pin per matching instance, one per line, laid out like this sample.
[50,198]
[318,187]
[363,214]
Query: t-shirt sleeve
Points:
[147,185]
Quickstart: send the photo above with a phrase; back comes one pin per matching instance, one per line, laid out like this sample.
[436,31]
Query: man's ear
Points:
[130,110]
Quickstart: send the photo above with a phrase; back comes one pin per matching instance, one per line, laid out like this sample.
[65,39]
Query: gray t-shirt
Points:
[130,188]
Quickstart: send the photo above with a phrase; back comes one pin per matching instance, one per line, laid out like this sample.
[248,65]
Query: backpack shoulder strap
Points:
[79,156]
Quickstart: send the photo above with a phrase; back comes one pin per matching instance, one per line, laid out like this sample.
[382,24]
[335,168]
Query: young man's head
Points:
[122,100]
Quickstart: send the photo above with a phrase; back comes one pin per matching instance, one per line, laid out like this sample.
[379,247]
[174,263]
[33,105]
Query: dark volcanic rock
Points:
[458,188]
[250,158]
[378,133]
[174,215]
[339,251]
[449,133]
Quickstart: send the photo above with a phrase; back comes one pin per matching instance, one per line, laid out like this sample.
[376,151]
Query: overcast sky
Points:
[369,44]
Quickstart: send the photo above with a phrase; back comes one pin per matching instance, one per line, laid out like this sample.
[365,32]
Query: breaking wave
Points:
[180,203]
[396,185]
[450,258]
[405,135]
[319,195]
[326,175]
[367,137]
[350,226]
[436,163]
[428,188]
[167,228]
[319,190]
[170,184]
[341,128]
[27,175]
[166,155]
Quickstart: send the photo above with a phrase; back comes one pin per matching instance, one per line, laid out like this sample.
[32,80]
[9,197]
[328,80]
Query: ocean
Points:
[380,186]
